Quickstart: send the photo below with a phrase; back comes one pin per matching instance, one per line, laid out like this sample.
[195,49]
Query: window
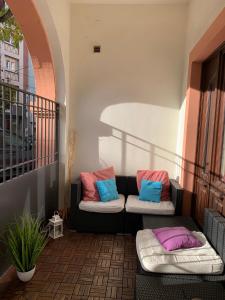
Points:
[222,170]
[205,149]
[8,65]
[12,64]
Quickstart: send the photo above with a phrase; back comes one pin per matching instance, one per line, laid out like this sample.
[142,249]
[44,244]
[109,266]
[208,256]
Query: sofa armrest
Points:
[176,193]
[75,195]
[75,198]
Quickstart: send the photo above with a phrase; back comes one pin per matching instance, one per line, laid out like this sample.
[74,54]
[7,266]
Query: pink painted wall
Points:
[36,39]
[210,41]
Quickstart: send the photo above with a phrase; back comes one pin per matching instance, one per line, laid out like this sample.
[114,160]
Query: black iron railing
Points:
[28,132]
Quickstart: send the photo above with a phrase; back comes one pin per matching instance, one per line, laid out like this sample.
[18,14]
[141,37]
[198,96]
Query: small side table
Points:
[148,287]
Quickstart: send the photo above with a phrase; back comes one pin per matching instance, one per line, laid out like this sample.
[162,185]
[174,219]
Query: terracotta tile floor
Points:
[81,266]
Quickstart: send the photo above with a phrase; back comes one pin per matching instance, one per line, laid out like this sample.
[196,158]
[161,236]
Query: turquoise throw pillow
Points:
[107,190]
[150,190]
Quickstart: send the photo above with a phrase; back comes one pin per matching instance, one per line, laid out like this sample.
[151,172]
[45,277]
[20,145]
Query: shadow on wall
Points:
[131,151]
[129,136]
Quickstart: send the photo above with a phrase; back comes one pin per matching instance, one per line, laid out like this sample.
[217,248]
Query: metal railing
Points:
[28,132]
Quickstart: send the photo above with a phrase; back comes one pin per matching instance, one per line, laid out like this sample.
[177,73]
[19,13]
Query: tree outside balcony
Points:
[9,30]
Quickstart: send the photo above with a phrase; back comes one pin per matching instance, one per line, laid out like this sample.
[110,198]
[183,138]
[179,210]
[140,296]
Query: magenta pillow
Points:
[156,175]
[90,192]
[172,238]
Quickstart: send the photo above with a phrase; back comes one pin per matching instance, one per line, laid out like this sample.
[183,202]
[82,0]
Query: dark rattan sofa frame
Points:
[84,221]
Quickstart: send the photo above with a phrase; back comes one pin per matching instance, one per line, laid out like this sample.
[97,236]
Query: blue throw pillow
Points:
[107,190]
[150,190]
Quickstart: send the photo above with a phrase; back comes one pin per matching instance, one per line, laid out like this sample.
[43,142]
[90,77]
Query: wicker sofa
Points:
[120,222]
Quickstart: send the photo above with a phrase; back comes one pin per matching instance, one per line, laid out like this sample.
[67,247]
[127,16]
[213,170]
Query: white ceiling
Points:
[130,1]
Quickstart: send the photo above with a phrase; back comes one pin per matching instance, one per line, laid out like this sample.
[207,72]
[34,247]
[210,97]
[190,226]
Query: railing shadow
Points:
[154,151]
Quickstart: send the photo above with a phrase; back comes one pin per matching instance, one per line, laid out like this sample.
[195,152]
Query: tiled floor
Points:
[81,266]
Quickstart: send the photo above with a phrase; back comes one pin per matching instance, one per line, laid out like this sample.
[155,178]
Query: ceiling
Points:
[130,1]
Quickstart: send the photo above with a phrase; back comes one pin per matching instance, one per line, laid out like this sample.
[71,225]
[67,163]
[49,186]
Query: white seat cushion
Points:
[113,206]
[134,205]
[154,258]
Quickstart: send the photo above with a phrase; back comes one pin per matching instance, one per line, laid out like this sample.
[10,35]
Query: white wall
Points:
[125,101]
[201,14]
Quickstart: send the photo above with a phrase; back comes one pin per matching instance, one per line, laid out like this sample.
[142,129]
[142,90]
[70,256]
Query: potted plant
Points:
[25,242]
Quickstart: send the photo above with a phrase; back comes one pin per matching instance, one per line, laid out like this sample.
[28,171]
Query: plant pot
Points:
[26,276]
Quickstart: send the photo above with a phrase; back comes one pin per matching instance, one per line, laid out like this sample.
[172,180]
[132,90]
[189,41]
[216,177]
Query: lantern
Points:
[55,226]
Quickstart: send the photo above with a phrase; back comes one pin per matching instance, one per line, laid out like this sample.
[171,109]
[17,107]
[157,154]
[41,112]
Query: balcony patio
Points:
[123,88]
[81,266]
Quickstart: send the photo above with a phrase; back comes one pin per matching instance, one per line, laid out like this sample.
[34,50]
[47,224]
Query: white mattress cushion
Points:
[154,258]
[134,205]
[113,206]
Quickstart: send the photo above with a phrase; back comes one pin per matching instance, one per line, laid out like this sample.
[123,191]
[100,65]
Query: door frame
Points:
[210,41]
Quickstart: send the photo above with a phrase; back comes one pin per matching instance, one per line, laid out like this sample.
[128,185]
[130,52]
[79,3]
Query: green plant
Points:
[9,29]
[25,242]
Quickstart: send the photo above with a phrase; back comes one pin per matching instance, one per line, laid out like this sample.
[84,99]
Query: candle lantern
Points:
[55,226]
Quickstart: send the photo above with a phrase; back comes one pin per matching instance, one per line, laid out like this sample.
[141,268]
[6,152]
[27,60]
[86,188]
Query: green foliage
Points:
[9,28]
[25,242]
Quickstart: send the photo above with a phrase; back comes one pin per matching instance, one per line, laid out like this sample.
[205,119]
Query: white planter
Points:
[26,276]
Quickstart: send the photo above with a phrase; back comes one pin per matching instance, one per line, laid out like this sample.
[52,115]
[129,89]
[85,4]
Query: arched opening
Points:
[28,19]
[41,35]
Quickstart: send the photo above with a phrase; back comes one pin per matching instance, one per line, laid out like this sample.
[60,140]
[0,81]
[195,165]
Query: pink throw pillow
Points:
[172,238]
[161,176]
[90,192]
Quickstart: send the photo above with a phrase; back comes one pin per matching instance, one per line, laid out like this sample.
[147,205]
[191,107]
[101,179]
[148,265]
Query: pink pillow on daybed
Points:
[88,179]
[156,175]
[172,238]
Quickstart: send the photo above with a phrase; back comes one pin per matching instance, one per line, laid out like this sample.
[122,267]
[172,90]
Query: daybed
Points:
[169,289]
[186,286]
[86,216]
[214,230]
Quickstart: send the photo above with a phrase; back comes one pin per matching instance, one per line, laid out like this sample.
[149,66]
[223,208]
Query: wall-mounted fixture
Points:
[97,49]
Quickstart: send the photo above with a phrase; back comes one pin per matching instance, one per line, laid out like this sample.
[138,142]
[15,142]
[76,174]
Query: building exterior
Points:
[27,70]
[11,64]
[16,66]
